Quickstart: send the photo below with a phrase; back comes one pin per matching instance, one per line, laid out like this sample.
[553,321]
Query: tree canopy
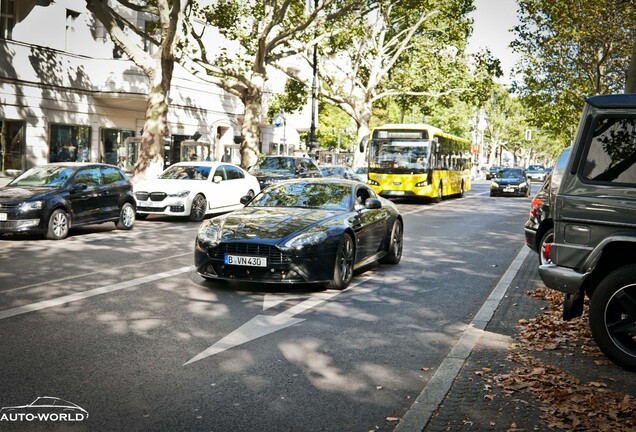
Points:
[570,50]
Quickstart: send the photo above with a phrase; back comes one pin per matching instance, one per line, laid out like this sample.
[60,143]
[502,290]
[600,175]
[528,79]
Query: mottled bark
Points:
[630,79]
[250,128]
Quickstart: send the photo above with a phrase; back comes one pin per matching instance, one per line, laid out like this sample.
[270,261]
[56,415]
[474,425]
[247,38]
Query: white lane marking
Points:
[90,293]
[89,274]
[272,300]
[262,325]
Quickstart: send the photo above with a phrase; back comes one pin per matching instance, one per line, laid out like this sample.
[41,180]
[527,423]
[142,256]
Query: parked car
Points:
[510,181]
[363,173]
[537,172]
[301,231]
[539,228]
[594,211]
[339,171]
[51,199]
[272,169]
[194,189]
[492,172]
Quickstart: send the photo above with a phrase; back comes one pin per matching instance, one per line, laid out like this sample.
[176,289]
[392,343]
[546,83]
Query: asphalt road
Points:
[119,323]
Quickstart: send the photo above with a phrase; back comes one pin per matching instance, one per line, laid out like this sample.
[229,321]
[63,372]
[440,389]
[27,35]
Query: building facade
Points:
[66,93]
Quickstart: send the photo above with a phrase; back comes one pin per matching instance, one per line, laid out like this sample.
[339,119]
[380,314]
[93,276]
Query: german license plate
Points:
[151,204]
[3,216]
[509,189]
[397,192]
[242,260]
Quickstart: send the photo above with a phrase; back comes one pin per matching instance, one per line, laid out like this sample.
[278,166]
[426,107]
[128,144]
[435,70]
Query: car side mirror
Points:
[373,203]
[217,179]
[246,199]
[79,187]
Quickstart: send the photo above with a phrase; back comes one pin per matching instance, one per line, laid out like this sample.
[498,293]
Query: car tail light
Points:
[546,254]
[534,205]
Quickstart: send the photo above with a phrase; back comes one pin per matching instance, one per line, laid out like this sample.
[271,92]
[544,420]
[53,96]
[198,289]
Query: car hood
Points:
[13,194]
[269,225]
[168,185]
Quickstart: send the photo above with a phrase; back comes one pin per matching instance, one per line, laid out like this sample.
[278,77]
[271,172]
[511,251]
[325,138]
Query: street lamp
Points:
[312,144]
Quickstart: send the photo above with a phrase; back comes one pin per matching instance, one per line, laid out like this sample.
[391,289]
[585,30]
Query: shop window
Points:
[113,146]
[69,143]
[7,18]
[11,145]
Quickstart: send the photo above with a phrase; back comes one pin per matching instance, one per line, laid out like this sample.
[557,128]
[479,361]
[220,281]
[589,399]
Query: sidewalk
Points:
[533,374]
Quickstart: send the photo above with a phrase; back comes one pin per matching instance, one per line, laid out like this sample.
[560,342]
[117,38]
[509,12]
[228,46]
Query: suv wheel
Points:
[613,316]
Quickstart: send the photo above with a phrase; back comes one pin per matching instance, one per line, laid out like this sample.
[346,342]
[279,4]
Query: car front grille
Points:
[153,196]
[273,254]
[8,206]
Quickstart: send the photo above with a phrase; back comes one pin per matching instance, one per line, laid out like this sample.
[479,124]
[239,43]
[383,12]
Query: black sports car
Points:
[300,231]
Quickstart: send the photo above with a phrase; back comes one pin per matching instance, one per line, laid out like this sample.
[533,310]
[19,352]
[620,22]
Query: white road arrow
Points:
[262,325]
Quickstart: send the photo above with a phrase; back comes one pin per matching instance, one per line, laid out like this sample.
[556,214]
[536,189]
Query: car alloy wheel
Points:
[126,219]
[613,316]
[394,253]
[58,225]
[343,270]
[197,212]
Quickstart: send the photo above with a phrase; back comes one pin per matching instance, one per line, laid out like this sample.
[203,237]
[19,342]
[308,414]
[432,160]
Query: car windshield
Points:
[186,172]
[510,173]
[275,164]
[536,168]
[45,176]
[305,194]
[403,155]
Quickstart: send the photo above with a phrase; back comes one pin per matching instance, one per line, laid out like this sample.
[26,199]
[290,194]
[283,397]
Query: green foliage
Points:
[292,100]
[570,50]
[332,123]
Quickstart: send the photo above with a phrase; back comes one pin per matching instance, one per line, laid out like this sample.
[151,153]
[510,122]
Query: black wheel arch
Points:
[543,228]
[613,253]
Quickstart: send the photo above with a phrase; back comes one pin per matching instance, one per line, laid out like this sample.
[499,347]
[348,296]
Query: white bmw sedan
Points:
[194,189]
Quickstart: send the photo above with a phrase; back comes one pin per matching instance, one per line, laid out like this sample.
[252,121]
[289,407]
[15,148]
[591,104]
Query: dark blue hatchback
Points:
[51,199]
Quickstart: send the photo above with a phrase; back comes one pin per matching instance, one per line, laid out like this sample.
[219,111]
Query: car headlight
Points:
[373,182]
[209,233]
[30,205]
[522,185]
[306,239]
[421,184]
[180,194]
[494,185]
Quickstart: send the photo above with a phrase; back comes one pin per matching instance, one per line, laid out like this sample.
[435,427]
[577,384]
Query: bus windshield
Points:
[400,156]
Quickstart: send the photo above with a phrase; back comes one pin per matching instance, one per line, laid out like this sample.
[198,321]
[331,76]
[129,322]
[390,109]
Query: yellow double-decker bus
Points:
[418,160]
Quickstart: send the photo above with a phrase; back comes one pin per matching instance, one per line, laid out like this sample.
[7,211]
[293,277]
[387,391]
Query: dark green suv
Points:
[593,252]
